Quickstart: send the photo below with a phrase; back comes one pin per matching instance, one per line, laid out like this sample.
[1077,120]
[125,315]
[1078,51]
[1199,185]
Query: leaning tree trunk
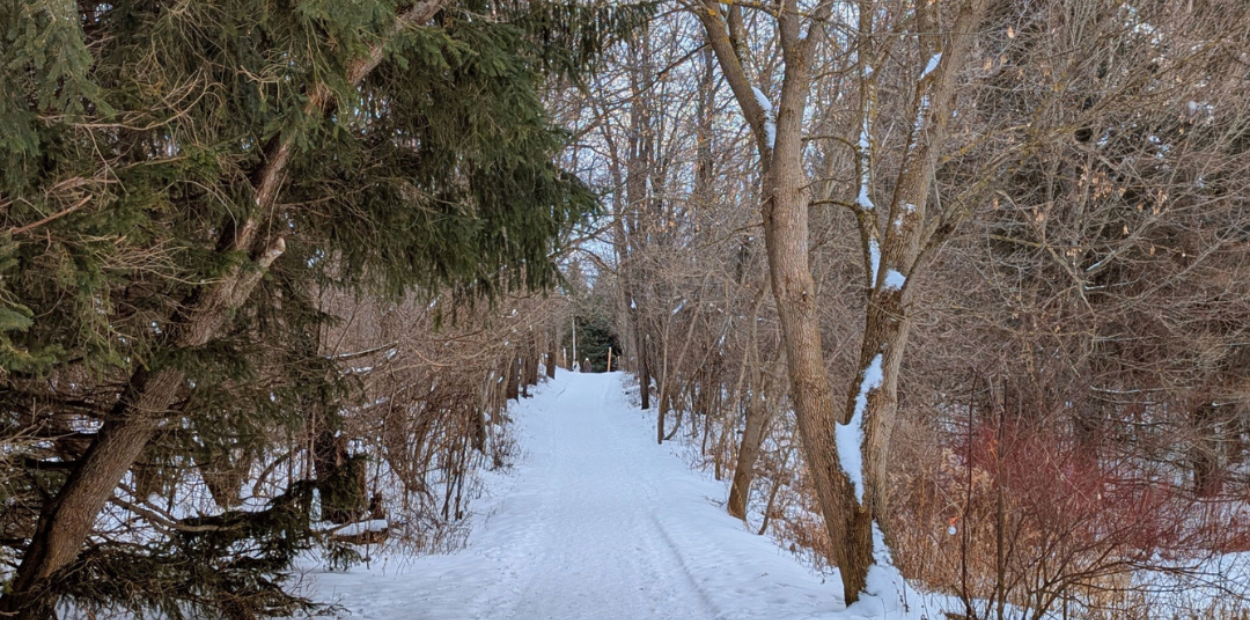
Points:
[68,518]
[753,431]
[66,521]
[785,236]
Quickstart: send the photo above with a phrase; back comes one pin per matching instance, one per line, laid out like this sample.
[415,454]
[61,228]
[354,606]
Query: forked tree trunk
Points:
[786,242]
[887,319]
[785,185]
[785,236]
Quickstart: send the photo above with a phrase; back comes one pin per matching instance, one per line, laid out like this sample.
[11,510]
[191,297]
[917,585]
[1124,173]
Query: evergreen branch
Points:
[63,186]
[29,227]
[164,520]
[278,155]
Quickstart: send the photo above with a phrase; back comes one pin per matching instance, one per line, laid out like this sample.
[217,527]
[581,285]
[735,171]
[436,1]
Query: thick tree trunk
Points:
[890,256]
[786,241]
[885,333]
[848,523]
[67,520]
[340,478]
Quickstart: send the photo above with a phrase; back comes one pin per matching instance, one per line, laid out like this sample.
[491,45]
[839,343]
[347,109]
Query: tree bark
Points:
[785,211]
[887,324]
[513,389]
[531,362]
[752,435]
[340,478]
[785,205]
[553,344]
[744,472]
[67,520]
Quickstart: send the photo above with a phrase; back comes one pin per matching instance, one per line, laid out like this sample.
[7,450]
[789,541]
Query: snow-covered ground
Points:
[597,521]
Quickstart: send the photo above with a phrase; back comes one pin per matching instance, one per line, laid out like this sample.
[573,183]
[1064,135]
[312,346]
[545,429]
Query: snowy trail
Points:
[596,521]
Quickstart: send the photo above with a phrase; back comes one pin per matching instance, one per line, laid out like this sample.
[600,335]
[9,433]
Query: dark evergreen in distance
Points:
[176,179]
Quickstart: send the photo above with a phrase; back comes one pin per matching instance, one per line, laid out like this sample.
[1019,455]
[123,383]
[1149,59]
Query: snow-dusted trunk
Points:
[778,136]
[846,452]
[892,252]
[848,524]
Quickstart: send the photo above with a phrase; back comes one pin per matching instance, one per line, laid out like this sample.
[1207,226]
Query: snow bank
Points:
[598,521]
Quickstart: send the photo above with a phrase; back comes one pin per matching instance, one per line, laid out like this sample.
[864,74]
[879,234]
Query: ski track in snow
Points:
[596,521]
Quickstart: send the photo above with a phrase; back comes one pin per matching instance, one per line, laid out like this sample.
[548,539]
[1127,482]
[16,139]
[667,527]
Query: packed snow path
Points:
[596,521]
